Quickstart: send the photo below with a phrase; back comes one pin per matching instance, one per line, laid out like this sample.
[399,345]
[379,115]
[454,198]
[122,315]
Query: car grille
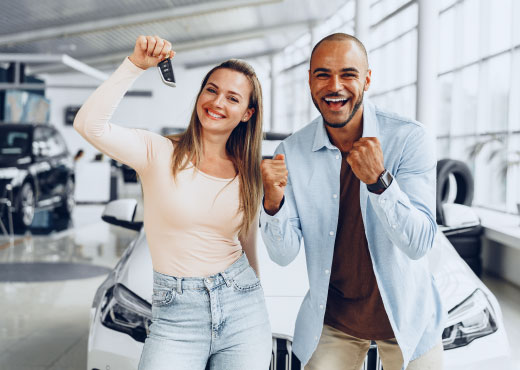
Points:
[282,357]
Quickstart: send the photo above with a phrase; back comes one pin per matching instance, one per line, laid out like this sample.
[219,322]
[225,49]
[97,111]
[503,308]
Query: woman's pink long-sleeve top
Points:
[191,222]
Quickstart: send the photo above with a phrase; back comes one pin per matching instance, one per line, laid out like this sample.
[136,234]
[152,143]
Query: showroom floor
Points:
[44,324]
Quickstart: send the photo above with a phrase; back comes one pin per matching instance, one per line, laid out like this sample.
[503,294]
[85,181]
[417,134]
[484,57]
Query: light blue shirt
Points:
[399,224]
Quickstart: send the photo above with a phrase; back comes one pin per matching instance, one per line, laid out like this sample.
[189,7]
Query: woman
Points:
[202,191]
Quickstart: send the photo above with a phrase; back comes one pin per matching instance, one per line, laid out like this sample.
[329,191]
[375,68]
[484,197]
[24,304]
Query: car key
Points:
[166,72]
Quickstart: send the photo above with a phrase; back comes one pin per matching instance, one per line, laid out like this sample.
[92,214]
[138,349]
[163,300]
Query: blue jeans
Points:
[219,320]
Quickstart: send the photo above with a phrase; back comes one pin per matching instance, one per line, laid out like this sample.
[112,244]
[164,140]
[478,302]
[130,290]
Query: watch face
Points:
[386,178]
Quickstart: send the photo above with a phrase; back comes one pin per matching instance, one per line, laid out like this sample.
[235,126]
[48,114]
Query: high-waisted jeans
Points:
[220,320]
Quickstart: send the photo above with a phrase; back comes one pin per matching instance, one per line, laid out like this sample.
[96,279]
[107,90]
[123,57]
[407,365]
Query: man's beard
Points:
[341,124]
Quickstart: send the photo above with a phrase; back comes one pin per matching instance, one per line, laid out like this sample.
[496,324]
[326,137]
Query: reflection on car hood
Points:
[137,272]
[454,278]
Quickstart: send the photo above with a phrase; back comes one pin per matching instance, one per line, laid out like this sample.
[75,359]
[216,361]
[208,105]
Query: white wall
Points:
[167,106]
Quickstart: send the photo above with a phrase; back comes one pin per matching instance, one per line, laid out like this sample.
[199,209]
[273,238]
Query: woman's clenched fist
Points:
[150,50]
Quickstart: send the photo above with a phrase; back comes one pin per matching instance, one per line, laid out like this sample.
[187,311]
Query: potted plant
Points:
[497,142]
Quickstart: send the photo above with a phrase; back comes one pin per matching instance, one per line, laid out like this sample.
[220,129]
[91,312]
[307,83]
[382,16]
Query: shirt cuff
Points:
[387,201]
[275,220]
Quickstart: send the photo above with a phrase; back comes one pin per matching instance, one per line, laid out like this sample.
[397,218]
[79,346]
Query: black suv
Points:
[36,172]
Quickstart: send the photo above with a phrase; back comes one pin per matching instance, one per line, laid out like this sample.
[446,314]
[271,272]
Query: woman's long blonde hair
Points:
[243,145]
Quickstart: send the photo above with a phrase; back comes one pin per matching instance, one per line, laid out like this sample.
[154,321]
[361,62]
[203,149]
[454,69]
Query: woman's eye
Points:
[211,90]
[233,99]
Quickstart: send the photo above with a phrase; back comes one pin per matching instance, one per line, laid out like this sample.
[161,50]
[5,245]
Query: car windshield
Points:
[13,142]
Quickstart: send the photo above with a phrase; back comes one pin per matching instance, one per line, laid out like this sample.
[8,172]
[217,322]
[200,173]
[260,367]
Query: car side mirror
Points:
[121,212]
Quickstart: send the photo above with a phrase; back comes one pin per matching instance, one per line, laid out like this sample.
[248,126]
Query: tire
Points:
[25,207]
[464,181]
[467,247]
[68,203]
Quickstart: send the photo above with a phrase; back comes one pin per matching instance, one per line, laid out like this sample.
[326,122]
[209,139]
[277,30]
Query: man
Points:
[358,184]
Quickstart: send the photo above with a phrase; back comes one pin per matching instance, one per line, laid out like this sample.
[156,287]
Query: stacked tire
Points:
[455,184]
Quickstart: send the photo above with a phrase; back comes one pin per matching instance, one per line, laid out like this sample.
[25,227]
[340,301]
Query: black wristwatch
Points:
[383,182]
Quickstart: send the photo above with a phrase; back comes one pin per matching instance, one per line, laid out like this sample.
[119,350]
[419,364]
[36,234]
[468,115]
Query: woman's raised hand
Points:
[150,50]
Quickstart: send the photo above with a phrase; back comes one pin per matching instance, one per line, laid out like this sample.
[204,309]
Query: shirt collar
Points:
[370,128]
[321,138]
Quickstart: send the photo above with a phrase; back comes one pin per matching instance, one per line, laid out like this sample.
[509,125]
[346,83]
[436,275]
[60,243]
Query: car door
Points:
[40,170]
[61,162]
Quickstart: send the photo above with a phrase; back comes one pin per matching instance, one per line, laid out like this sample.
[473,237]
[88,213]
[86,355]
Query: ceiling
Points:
[101,33]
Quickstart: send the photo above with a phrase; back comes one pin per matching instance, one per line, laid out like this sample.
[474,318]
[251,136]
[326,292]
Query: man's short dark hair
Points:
[339,36]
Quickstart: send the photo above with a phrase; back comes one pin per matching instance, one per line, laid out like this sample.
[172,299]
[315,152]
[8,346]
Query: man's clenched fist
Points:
[366,159]
[274,177]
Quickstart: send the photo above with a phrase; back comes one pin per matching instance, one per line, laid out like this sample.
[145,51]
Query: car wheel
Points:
[452,173]
[26,201]
[68,203]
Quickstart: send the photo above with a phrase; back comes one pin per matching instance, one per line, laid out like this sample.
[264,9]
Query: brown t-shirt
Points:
[354,304]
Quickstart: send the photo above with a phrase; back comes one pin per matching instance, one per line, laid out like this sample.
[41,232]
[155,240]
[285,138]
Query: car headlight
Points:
[124,311]
[112,277]
[471,319]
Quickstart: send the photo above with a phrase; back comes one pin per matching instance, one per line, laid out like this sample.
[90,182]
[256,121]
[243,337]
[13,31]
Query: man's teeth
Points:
[336,100]
[214,115]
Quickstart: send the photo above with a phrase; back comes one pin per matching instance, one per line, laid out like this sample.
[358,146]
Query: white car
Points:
[474,337]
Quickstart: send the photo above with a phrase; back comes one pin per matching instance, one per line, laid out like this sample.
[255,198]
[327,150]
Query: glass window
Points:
[447,45]
[443,4]
[400,101]
[513,174]
[514,101]
[490,181]
[292,108]
[465,101]
[499,32]
[389,30]
[516,23]
[408,58]
[13,142]
[382,8]
[494,94]
[443,147]
[377,65]
[471,31]
[445,105]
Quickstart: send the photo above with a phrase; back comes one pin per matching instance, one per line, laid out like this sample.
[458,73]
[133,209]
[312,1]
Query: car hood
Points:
[454,278]
[285,287]
[136,273]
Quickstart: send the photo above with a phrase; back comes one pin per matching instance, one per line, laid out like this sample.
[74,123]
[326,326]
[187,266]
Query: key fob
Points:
[166,72]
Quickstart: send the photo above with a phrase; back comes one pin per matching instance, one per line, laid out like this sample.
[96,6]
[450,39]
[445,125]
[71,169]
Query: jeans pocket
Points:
[246,280]
[162,296]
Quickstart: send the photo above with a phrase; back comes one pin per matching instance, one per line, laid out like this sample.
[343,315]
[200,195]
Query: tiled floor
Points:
[508,296]
[44,325]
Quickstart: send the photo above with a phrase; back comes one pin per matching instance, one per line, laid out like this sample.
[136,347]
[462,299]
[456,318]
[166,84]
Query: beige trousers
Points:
[339,351]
